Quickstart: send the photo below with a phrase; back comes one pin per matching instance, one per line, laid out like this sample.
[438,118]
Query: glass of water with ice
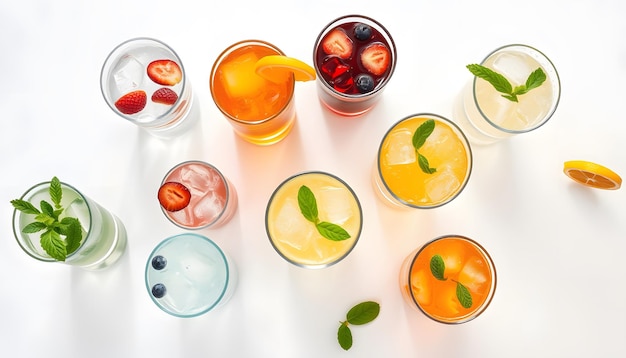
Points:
[143,81]
[188,275]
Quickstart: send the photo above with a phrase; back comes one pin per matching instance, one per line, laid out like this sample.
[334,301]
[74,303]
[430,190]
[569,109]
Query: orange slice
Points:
[592,175]
[277,68]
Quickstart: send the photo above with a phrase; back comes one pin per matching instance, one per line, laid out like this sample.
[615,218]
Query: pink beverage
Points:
[195,195]
[354,58]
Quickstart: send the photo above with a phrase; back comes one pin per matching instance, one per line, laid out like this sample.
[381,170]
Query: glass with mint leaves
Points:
[54,222]
[515,89]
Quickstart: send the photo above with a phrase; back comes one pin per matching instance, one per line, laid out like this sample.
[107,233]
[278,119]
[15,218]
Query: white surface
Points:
[558,247]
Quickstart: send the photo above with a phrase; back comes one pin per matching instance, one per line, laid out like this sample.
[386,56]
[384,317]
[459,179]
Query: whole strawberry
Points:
[164,96]
[132,102]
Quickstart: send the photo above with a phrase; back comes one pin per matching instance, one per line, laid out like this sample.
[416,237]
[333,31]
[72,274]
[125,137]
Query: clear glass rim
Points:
[196,237]
[226,185]
[112,58]
[462,137]
[325,264]
[552,73]
[478,311]
[218,61]
[382,29]
[17,214]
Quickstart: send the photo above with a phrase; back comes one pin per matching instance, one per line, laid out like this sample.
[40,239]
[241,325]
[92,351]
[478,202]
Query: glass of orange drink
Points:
[252,84]
[424,161]
[451,279]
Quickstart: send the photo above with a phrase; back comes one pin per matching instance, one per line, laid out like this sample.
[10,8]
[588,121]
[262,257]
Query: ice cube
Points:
[473,275]
[514,66]
[441,184]
[128,74]
[199,178]
[291,226]
[182,216]
[208,207]
[421,290]
[335,204]
[239,77]
[400,148]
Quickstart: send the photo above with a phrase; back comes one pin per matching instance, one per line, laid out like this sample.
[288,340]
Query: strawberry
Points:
[337,43]
[164,96]
[165,72]
[131,102]
[174,196]
[375,58]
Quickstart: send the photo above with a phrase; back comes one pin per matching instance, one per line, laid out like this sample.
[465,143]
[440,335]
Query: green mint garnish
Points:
[502,85]
[362,313]
[308,207]
[59,238]
[419,138]
[437,268]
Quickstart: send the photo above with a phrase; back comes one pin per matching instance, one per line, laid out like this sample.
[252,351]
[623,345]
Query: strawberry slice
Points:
[164,96]
[165,72]
[337,43]
[174,196]
[132,102]
[375,58]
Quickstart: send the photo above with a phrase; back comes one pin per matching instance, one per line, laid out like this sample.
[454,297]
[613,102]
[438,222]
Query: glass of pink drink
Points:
[196,195]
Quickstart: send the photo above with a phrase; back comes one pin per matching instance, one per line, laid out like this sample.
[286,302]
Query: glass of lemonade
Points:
[143,81]
[354,58]
[260,111]
[196,195]
[313,219]
[103,234]
[401,176]
[486,116]
[188,275]
[451,279]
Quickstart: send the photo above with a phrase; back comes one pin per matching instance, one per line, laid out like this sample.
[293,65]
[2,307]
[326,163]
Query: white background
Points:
[558,247]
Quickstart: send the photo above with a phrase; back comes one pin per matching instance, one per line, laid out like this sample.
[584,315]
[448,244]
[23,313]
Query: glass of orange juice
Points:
[313,219]
[260,108]
[451,279]
[424,161]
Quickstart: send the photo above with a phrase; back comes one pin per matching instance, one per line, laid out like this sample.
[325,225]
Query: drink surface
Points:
[465,263]
[209,194]
[399,167]
[296,238]
[243,94]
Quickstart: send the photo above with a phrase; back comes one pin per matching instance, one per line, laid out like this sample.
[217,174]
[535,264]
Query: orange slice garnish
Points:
[277,68]
[592,175]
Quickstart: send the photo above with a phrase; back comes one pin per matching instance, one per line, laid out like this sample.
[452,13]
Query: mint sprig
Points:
[502,85]
[419,138]
[308,207]
[437,268]
[60,237]
[362,313]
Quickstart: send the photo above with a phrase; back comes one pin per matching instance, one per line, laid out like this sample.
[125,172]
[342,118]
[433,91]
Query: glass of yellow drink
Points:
[261,111]
[451,279]
[313,219]
[424,161]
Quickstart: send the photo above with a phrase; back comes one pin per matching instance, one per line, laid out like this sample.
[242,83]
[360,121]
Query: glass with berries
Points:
[143,80]
[354,58]
[196,195]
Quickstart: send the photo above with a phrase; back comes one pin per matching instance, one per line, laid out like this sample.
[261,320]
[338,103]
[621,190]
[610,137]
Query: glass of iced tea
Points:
[354,58]
[451,279]
[424,161]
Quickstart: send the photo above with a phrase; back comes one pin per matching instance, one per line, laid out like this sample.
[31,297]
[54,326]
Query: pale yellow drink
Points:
[296,238]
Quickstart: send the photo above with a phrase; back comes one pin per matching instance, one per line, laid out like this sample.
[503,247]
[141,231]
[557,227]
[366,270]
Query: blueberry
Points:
[159,262]
[364,83]
[362,32]
[158,290]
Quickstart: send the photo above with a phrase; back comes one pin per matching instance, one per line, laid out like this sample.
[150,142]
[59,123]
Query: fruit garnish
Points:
[337,43]
[502,85]
[592,175]
[277,68]
[364,312]
[174,196]
[159,290]
[376,58]
[365,83]
[164,96]
[362,32]
[159,262]
[165,72]
[132,102]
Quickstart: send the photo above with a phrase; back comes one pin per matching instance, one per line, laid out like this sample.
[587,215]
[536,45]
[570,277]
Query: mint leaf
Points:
[363,313]
[344,336]
[73,234]
[464,295]
[307,204]
[422,132]
[502,85]
[53,245]
[332,231]
[536,79]
[56,193]
[424,165]
[24,206]
[438,267]
[34,227]
[46,208]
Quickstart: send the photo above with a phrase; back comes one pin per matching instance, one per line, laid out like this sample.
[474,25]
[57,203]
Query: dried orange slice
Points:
[592,175]
[276,68]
